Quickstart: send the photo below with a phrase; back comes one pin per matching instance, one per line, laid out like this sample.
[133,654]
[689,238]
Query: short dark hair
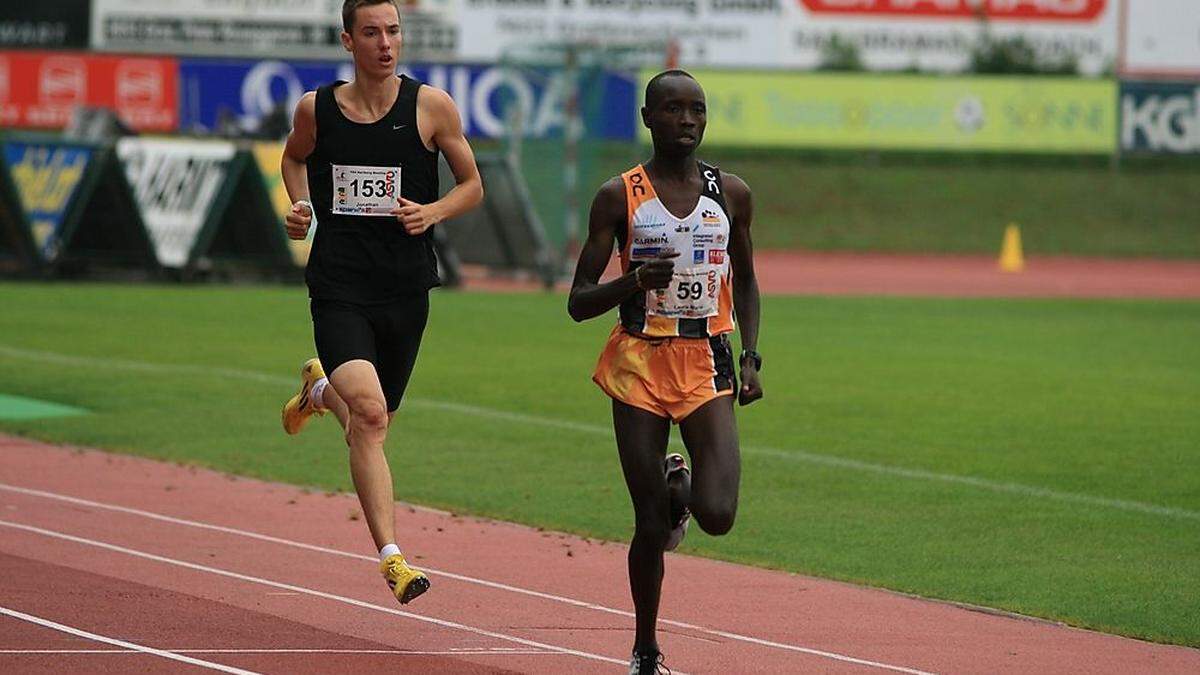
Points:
[653,85]
[350,6]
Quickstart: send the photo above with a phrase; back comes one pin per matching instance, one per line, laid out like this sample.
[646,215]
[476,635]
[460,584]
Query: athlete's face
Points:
[676,115]
[375,39]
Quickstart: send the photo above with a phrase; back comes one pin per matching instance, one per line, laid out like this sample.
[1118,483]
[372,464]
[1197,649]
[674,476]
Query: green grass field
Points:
[1036,456]
[930,204]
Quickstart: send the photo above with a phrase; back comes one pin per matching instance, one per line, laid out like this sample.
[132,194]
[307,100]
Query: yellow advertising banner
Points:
[268,155]
[909,112]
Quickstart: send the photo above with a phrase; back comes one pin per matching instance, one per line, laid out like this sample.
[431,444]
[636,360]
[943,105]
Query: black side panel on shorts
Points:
[722,363]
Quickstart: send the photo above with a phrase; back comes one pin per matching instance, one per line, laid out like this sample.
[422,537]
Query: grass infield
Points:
[1035,456]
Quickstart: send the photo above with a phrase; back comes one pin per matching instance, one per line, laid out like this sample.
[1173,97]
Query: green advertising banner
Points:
[909,112]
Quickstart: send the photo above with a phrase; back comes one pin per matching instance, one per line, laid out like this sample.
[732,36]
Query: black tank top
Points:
[370,259]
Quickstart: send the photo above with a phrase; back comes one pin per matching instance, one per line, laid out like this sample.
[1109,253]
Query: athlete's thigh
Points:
[710,436]
[342,333]
[642,444]
[356,382]
[399,329]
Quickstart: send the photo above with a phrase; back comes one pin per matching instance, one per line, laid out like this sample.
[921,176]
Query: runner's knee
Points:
[368,413]
[715,517]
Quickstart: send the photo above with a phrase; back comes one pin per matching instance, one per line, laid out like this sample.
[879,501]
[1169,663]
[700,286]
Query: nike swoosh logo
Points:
[398,126]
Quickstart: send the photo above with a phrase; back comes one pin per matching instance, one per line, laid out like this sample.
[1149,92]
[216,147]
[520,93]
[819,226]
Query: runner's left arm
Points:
[745,283]
[447,137]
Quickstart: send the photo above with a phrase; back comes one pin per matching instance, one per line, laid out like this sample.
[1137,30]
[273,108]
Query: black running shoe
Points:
[648,663]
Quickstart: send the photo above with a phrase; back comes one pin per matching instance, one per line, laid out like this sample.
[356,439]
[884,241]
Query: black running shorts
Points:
[388,336]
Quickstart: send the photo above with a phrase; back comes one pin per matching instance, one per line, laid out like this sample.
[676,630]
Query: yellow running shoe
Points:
[405,582]
[300,407]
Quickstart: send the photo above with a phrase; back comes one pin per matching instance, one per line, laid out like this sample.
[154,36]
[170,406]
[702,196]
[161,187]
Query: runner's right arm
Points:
[589,298]
[300,144]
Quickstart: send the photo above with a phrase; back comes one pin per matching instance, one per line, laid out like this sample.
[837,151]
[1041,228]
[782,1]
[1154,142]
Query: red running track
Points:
[116,564]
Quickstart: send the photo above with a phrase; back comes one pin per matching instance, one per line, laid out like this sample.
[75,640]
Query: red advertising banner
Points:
[40,89]
[1001,10]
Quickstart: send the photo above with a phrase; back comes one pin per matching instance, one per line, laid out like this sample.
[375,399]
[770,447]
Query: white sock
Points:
[318,394]
[390,549]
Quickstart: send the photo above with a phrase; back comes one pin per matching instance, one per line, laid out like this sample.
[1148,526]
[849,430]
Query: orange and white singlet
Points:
[699,301]
[670,353]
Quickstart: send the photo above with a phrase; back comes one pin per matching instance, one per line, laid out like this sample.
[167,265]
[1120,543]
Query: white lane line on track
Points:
[458,577]
[310,591]
[790,455]
[121,643]
[348,652]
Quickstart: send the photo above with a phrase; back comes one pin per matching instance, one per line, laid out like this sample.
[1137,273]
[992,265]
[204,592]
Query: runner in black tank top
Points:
[362,158]
[369,259]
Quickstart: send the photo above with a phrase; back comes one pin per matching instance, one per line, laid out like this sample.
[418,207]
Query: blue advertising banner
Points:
[47,176]
[1161,117]
[251,95]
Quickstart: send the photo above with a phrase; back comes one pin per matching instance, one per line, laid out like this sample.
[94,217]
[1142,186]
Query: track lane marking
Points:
[444,623]
[458,577]
[351,652]
[128,646]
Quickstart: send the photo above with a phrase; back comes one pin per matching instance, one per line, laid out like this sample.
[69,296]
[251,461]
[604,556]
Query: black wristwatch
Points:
[751,354]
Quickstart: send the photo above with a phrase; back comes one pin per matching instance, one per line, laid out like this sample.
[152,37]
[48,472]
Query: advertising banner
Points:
[1160,117]
[708,32]
[47,24]
[889,34]
[1162,37]
[268,156]
[40,89]
[939,34]
[279,28]
[47,177]
[246,92]
[18,254]
[910,112]
[175,183]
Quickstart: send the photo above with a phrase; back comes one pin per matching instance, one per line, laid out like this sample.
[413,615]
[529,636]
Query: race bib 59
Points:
[691,295]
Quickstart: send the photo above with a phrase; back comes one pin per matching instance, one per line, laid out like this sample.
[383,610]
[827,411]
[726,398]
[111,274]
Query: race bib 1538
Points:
[365,190]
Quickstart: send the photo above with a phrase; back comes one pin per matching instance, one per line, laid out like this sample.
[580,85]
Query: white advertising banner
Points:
[724,32]
[939,34]
[889,34]
[1162,37]
[278,28]
[175,183]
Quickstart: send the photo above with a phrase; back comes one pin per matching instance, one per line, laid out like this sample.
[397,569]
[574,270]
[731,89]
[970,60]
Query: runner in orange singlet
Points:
[683,232]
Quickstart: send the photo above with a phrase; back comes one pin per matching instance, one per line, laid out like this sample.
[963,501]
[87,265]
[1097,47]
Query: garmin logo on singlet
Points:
[650,241]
